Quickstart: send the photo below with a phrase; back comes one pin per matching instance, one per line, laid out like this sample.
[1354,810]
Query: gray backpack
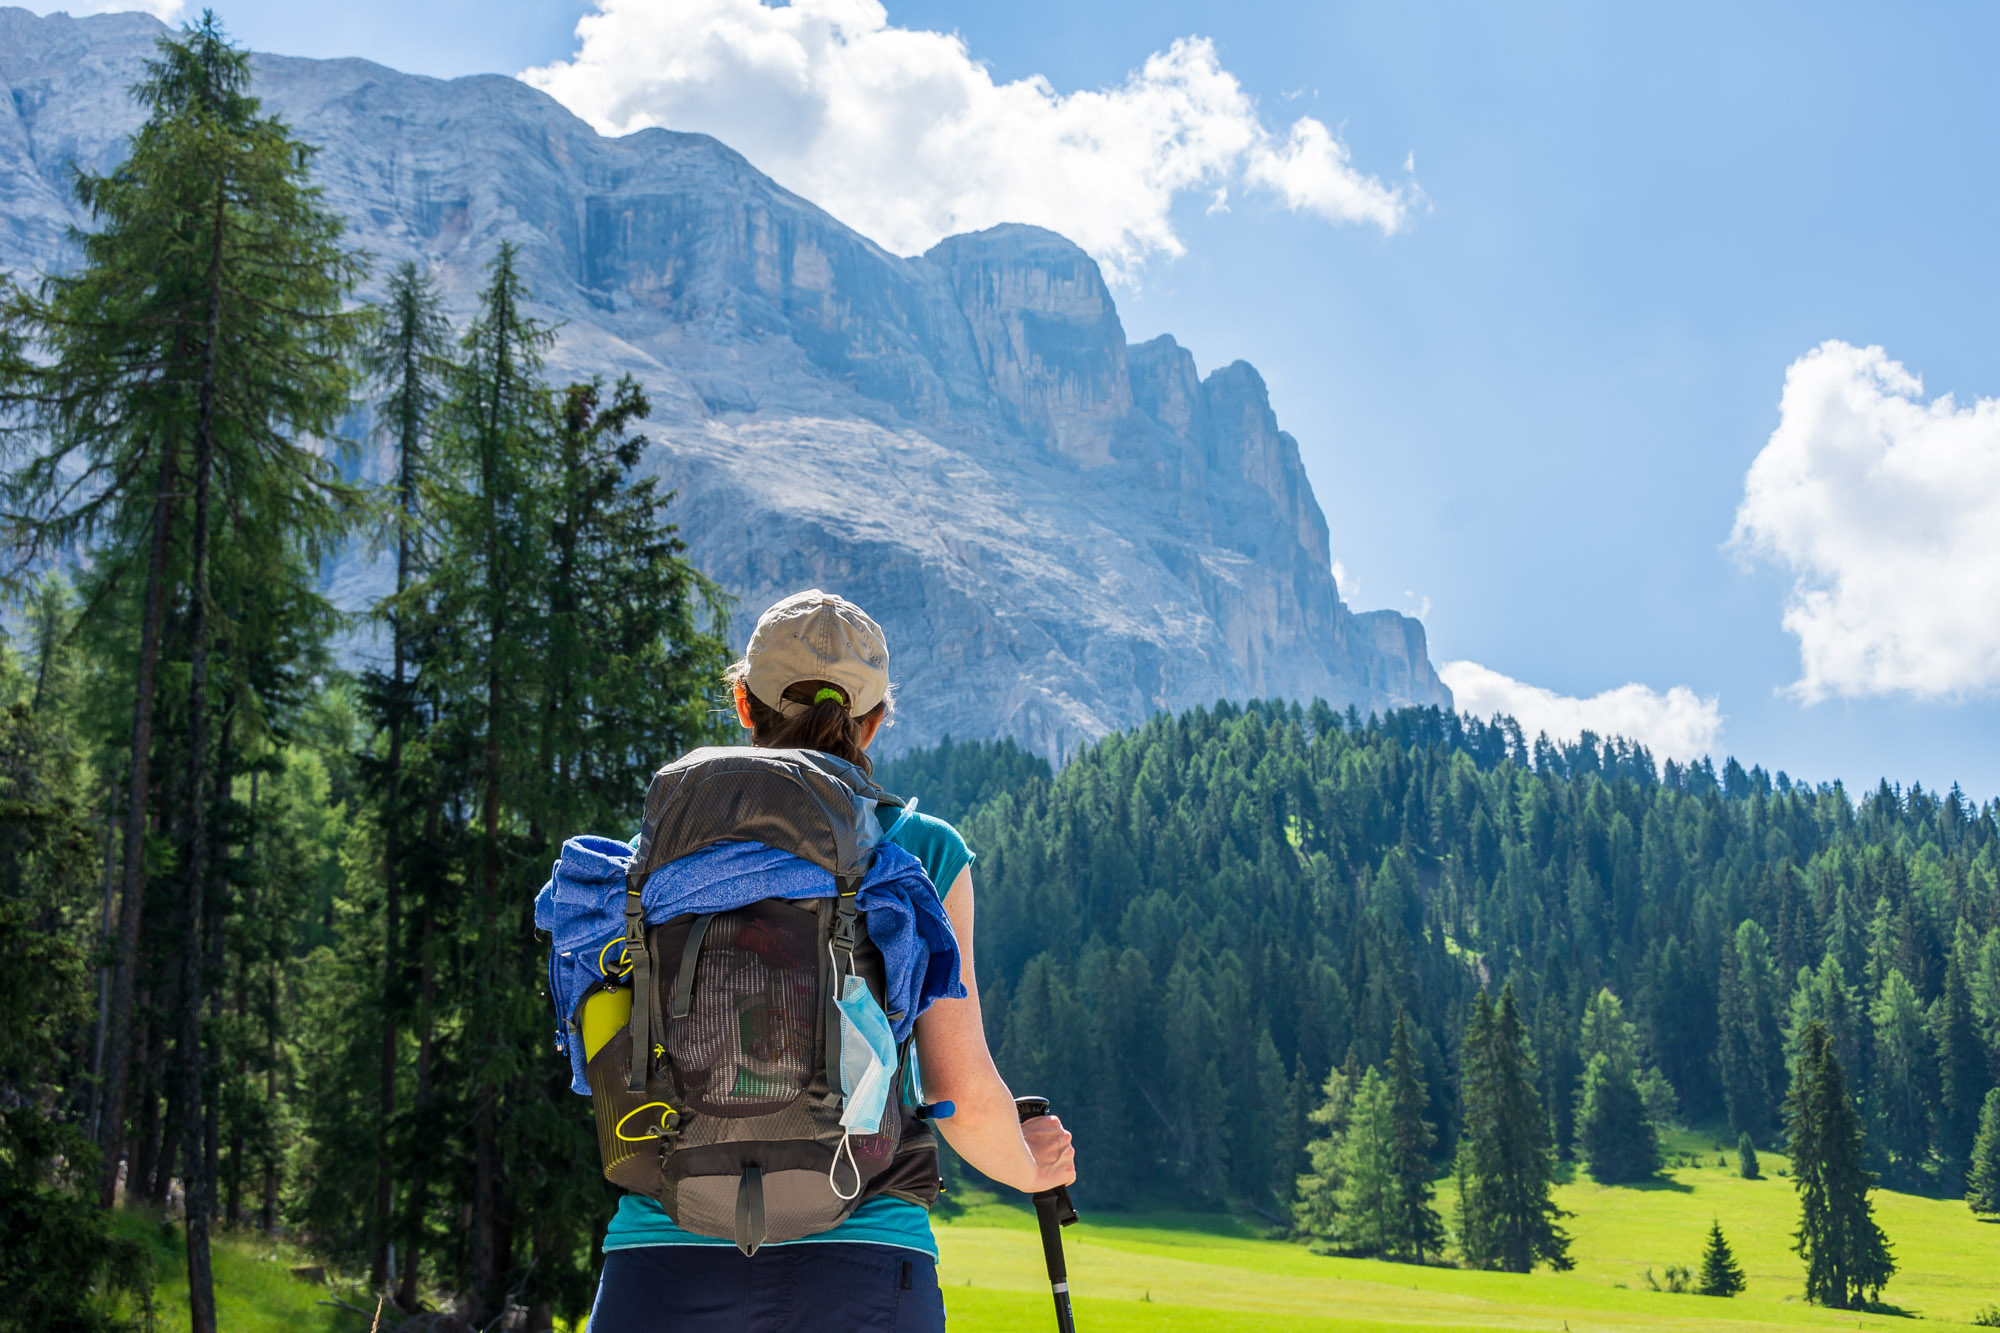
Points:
[716,1097]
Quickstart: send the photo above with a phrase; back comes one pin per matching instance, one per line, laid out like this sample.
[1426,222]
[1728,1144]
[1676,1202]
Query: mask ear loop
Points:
[846,1146]
[847,1136]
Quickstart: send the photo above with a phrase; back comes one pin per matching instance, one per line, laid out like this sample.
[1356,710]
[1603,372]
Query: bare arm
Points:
[957,1067]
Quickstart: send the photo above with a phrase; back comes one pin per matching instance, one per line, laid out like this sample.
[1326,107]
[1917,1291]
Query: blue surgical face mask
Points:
[867,1070]
[867,1058]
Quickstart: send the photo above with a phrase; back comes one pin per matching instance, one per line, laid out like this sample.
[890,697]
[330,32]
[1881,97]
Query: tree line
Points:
[1204,935]
[304,889]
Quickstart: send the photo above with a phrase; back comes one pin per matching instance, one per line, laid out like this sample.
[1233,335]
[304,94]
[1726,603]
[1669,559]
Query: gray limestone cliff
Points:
[1061,532]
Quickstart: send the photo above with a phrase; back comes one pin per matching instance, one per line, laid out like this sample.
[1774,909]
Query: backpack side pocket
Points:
[632,1127]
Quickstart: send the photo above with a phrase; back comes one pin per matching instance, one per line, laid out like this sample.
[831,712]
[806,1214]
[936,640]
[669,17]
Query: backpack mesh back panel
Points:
[746,1045]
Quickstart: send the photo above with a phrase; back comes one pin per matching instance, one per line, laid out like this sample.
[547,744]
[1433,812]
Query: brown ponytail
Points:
[824,726]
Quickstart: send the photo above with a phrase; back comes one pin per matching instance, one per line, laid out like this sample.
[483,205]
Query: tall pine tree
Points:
[1847,1257]
[408,358]
[1720,1274]
[191,365]
[1418,1230]
[1509,1219]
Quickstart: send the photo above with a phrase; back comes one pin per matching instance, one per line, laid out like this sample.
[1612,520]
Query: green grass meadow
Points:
[1166,1273]
[1172,1274]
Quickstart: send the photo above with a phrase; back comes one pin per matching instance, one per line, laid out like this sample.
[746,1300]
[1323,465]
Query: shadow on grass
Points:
[1650,1185]
[1884,1308]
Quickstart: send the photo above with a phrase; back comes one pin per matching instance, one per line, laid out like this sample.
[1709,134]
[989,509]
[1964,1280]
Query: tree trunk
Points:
[418,1199]
[394,966]
[267,1215]
[104,929]
[168,1142]
[486,1259]
[146,1145]
[238,1144]
[201,1278]
[486,1166]
[132,903]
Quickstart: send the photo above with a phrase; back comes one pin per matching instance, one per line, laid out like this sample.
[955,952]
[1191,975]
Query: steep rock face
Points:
[1060,532]
[1048,336]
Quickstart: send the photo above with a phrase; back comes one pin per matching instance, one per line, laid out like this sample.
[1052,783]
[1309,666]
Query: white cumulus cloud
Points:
[1679,724]
[1311,170]
[1886,511]
[900,133]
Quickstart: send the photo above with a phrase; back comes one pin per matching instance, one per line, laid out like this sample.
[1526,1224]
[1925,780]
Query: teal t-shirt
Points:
[641,1221]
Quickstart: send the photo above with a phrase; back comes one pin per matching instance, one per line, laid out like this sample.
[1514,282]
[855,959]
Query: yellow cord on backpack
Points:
[623,963]
[619,1128]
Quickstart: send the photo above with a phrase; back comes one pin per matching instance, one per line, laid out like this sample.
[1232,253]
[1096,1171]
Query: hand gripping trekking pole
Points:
[1054,1211]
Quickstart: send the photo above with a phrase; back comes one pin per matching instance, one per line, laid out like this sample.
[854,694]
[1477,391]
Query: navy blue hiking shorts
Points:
[821,1287]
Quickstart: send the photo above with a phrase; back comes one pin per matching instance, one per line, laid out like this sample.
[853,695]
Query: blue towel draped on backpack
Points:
[583,909]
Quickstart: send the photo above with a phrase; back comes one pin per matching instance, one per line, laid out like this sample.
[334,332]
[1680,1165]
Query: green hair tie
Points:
[830,693]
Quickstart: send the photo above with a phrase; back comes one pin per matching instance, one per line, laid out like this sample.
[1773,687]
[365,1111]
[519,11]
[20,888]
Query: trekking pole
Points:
[1054,1211]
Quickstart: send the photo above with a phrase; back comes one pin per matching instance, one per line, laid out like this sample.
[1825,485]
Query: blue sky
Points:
[1530,400]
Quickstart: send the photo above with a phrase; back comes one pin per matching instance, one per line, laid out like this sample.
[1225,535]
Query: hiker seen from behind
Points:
[770,1001]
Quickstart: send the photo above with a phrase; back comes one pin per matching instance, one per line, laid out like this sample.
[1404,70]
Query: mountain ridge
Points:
[1061,532]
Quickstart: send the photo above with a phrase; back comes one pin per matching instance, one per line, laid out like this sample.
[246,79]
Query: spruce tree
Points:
[1720,1275]
[560,647]
[1746,1158]
[1847,1257]
[1982,1184]
[408,358]
[1614,1137]
[1418,1230]
[487,506]
[634,632]
[1513,1222]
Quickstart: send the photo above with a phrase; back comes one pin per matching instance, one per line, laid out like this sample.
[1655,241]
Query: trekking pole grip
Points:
[1053,1211]
[1034,1108]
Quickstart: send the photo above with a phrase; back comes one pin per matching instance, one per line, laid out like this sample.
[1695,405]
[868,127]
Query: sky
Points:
[1648,353]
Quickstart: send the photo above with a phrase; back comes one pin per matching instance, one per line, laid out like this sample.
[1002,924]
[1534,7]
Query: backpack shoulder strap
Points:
[641,1024]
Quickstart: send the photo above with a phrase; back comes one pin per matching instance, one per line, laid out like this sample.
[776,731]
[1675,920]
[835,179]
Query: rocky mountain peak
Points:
[1048,335]
[1061,534]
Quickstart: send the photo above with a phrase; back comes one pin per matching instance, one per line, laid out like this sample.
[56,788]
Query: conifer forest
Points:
[266,866]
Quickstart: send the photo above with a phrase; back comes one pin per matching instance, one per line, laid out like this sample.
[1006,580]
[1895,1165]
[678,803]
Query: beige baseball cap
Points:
[815,635]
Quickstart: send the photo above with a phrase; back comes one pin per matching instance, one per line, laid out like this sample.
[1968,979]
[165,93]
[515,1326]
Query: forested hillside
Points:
[1186,929]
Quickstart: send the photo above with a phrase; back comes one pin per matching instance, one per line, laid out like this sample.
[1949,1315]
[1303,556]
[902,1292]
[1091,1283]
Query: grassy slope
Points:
[255,1291]
[1168,1274]
[1165,1274]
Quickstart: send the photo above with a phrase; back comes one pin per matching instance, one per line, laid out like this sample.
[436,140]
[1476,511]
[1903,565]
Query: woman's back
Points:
[815,677]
